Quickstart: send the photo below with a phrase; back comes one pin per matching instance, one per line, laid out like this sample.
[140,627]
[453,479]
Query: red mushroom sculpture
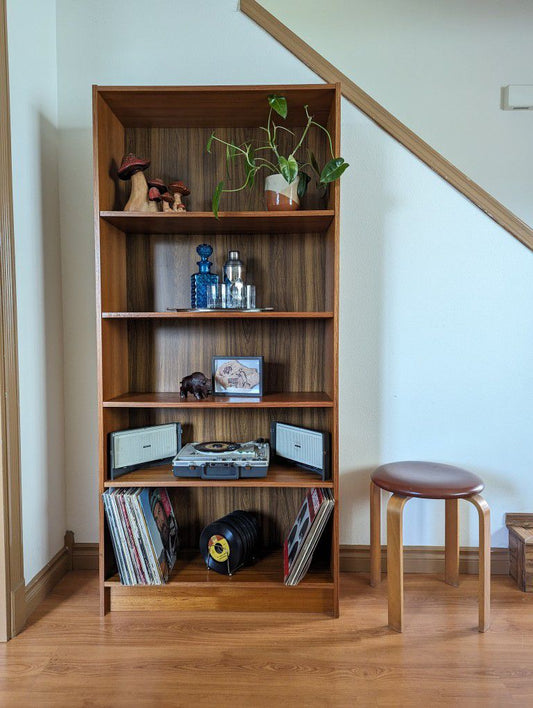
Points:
[168,200]
[179,190]
[132,167]
[156,188]
[154,197]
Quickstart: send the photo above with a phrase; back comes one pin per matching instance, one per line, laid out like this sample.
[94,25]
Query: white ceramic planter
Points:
[280,195]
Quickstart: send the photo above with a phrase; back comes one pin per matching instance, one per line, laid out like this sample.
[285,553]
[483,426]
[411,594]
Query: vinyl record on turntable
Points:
[230,542]
[217,447]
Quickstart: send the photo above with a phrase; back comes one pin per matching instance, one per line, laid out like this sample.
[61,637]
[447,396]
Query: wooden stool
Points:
[427,480]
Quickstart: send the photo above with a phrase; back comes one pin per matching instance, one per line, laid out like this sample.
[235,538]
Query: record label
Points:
[218,548]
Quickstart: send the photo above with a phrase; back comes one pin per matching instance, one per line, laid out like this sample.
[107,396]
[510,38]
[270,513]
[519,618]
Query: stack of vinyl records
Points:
[144,534]
[305,533]
[230,542]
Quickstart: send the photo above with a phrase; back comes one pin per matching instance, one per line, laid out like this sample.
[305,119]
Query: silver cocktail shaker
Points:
[234,277]
[234,268]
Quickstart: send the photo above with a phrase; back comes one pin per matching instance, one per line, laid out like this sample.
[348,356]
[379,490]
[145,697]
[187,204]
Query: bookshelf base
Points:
[221,599]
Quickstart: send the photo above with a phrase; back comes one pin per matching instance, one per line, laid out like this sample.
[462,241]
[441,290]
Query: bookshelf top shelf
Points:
[204,222]
[212,106]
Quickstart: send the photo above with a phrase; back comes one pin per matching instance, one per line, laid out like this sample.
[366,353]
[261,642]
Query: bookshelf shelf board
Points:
[238,222]
[226,314]
[278,476]
[172,400]
[190,570]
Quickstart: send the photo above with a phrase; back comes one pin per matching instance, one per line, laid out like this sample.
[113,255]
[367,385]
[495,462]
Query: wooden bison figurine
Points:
[198,384]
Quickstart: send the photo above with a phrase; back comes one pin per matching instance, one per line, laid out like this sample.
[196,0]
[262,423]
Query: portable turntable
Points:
[222,460]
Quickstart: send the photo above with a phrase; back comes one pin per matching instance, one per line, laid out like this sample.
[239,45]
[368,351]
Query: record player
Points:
[222,460]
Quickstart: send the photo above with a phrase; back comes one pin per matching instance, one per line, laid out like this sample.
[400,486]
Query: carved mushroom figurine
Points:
[168,200]
[154,195]
[132,167]
[156,185]
[179,190]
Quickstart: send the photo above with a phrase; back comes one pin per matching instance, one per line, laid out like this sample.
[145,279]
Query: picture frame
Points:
[237,375]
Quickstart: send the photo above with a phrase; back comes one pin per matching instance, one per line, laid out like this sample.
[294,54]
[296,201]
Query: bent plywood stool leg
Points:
[395,559]
[375,534]
[484,560]
[451,543]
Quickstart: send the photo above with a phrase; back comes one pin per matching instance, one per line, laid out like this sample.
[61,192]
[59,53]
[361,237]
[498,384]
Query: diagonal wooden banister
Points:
[400,132]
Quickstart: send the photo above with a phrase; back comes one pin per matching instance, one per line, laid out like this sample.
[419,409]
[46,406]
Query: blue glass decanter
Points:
[204,277]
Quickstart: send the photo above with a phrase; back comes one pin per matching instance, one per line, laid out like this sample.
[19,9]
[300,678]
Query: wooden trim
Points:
[85,556]
[12,596]
[423,559]
[46,579]
[391,125]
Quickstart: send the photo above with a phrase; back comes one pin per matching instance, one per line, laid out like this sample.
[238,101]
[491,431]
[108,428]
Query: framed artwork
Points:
[237,375]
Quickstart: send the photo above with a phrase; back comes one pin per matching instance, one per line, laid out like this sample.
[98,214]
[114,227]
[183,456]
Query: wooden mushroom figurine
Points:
[132,167]
[179,190]
[156,185]
[168,200]
[154,197]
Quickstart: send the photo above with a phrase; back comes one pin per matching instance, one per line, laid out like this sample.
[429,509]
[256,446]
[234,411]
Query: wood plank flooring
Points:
[69,656]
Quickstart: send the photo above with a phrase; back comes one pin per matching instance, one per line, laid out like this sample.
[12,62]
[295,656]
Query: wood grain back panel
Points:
[289,271]
[276,510]
[180,153]
[239,424]
[162,352]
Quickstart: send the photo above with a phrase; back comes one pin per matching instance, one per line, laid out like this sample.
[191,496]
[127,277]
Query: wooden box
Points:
[521,549]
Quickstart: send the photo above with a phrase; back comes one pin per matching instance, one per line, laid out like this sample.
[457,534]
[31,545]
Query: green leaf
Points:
[288,168]
[278,104]
[231,154]
[216,198]
[302,184]
[333,170]
[209,142]
[314,163]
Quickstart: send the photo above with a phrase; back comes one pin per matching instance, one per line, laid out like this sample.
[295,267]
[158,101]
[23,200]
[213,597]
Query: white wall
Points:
[33,96]
[438,67]
[436,323]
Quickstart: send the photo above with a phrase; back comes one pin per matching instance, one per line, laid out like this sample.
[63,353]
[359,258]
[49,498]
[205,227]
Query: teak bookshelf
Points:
[143,267]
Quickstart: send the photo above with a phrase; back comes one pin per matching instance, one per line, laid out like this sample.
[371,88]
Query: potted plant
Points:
[287,182]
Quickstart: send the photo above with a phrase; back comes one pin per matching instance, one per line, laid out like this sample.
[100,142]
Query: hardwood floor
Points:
[69,656]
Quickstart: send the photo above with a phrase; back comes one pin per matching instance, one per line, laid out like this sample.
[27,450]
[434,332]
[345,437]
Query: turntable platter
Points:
[216,447]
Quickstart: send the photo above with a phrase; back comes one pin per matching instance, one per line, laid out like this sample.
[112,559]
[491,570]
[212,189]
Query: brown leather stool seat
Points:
[426,480]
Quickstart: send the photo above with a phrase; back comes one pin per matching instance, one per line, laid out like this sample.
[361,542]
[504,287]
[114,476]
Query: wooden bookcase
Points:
[143,266]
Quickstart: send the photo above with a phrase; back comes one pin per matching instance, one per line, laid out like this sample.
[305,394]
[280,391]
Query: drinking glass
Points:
[213,297]
[236,295]
[223,296]
[249,297]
